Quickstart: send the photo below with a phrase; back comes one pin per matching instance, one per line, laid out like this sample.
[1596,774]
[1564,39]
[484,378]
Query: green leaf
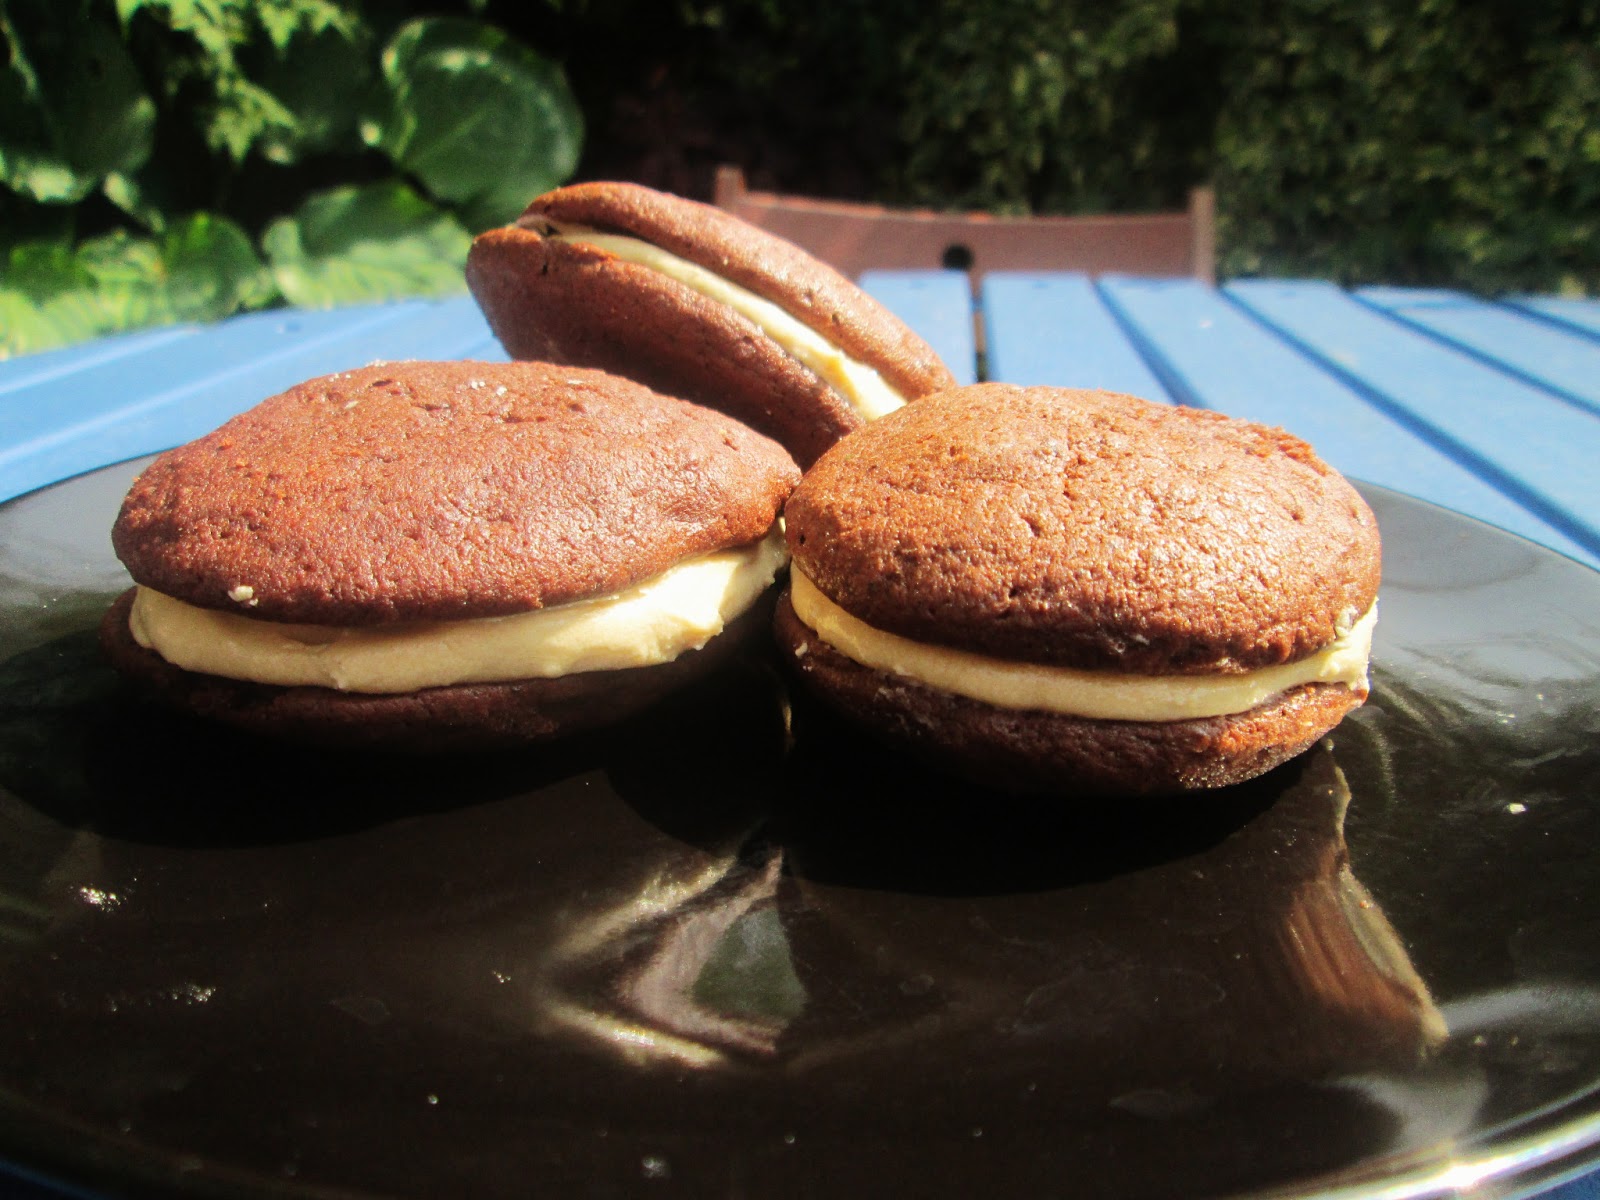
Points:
[47,299]
[72,108]
[244,113]
[203,268]
[326,81]
[481,120]
[283,19]
[361,244]
[244,110]
[128,193]
[217,26]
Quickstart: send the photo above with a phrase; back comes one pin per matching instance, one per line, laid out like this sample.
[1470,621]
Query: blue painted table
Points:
[1491,409]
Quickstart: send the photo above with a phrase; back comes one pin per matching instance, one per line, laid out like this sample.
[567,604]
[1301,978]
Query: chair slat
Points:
[1534,447]
[1559,359]
[937,305]
[167,392]
[857,237]
[1054,329]
[1219,357]
[31,370]
[1575,312]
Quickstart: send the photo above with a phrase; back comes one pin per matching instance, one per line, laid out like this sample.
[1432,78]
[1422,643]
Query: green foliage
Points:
[324,151]
[47,298]
[365,243]
[457,86]
[236,110]
[200,266]
[1452,142]
[74,107]
[1446,141]
[1036,105]
[327,80]
[177,160]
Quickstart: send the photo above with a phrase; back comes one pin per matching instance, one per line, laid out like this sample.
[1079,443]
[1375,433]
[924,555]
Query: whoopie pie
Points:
[446,554]
[693,301]
[1054,589]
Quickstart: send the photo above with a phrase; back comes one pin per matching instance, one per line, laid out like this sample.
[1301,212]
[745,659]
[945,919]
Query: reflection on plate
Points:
[734,949]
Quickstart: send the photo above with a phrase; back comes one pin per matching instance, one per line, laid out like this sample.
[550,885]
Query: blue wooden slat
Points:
[86,384]
[1563,361]
[170,392]
[1584,1188]
[1218,357]
[937,305]
[30,370]
[1575,312]
[1537,449]
[1052,328]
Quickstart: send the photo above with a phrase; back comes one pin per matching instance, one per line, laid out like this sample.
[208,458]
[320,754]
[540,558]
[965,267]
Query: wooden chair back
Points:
[857,237]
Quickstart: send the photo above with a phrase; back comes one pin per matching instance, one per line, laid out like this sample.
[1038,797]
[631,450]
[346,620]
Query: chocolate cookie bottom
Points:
[459,717]
[1034,751]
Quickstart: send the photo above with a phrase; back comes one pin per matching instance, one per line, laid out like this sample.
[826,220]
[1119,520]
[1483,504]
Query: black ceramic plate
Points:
[720,952]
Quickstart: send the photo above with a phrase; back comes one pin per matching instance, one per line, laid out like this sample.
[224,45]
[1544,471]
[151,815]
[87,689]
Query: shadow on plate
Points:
[84,749]
[854,812]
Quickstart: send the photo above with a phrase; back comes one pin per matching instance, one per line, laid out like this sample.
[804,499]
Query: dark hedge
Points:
[170,160]
[1452,142]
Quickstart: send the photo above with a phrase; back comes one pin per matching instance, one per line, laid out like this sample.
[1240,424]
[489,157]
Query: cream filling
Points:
[1095,694]
[859,384]
[652,622]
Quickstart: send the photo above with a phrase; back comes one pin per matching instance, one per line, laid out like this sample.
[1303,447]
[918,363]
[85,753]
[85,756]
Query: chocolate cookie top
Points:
[804,287]
[554,300]
[1087,529]
[438,491]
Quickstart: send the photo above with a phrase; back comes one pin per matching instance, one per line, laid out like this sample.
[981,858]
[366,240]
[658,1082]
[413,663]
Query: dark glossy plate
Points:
[719,952]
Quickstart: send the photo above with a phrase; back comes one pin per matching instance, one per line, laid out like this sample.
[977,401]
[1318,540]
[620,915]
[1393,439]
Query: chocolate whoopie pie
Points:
[448,554]
[1081,591]
[695,302]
